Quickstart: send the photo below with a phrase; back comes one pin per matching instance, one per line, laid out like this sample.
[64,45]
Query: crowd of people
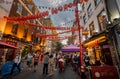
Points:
[50,61]
[31,59]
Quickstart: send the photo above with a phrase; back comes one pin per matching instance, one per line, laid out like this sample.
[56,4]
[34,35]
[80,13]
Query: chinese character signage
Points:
[104,72]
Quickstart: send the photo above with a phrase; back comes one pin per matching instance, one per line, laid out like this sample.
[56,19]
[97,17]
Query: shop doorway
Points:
[106,56]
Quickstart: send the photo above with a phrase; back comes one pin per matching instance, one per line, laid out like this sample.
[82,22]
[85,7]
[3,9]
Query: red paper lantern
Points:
[46,13]
[70,5]
[54,11]
[81,1]
[86,0]
[65,6]
[60,8]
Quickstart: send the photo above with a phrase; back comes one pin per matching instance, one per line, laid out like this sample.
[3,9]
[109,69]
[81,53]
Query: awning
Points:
[72,48]
[5,45]
[95,41]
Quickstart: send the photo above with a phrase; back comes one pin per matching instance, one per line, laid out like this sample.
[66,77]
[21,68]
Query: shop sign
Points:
[104,72]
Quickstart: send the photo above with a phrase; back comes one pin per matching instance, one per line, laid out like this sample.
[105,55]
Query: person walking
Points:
[45,63]
[36,60]
[29,58]
[16,63]
[87,60]
[51,63]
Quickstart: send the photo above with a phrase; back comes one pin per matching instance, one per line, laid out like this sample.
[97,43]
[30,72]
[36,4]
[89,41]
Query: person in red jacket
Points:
[36,60]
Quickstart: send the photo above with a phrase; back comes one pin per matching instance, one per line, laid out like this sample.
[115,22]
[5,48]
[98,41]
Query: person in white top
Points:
[16,63]
[29,57]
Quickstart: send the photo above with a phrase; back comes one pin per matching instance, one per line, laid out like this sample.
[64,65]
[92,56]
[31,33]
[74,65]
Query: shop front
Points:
[7,54]
[98,49]
[101,63]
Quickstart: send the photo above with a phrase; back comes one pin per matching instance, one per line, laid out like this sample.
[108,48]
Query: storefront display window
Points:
[91,54]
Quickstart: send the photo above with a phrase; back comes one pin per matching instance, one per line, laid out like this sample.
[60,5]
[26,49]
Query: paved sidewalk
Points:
[25,74]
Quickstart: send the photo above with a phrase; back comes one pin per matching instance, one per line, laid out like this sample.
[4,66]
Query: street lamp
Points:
[79,31]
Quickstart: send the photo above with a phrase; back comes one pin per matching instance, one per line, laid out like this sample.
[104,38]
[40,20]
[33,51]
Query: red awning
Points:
[5,45]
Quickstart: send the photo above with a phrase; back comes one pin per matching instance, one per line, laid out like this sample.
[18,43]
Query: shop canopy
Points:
[71,48]
[5,45]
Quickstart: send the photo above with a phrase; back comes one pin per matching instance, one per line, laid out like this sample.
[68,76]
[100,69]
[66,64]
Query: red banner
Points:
[104,72]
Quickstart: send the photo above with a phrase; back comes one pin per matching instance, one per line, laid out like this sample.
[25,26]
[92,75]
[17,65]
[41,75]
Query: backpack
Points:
[87,58]
[75,58]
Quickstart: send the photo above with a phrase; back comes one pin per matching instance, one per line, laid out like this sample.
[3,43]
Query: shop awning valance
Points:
[72,48]
[5,45]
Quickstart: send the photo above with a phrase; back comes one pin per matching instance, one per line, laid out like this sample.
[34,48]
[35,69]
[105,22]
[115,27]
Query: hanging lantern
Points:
[54,11]
[81,1]
[70,5]
[85,33]
[85,0]
[65,6]
[60,8]
[37,47]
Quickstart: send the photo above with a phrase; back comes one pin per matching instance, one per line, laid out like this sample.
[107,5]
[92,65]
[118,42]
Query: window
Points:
[102,20]
[89,10]
[15,28]
[83,6]
[97,2]
[19,9]
[92,29]
[25,32]
[84,19]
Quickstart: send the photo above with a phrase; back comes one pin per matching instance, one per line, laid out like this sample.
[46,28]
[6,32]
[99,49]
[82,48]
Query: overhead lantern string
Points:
[42,14]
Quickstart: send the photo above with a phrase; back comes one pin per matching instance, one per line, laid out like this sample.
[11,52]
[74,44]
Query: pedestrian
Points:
[75,61]
[29,58]
[16,63]
[87,60]
[51,63]
[61,64]
[45,63]
[36,60]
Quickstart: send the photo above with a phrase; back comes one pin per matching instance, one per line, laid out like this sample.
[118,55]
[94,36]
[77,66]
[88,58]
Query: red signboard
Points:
[104,72]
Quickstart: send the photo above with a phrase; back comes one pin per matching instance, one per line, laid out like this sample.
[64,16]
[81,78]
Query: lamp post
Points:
[79,34]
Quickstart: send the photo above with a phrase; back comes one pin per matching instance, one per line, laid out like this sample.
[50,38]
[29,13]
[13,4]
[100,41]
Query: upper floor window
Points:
[84,19]
[25,32]
[83,6]
[89,10]
[14,28]
[92,29]
[102,20]
[97,2]
[19,9]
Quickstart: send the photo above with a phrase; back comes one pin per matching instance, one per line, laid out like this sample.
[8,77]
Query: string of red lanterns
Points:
[60,38]
[47,27]
[81,1]
[42,14]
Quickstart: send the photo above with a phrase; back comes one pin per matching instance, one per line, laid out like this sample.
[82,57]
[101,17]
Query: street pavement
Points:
[30,74]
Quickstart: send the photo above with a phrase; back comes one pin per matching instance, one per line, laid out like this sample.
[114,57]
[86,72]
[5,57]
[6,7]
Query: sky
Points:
[63,18]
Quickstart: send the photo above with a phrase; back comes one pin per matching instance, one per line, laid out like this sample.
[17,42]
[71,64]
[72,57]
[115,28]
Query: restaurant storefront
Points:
[98,48]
